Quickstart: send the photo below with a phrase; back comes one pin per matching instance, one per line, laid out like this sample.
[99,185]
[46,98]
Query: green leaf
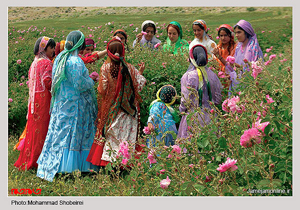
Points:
[267,129]
[222,143]
[263,184]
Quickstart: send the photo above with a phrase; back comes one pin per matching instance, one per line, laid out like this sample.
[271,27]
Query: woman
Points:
[147,40]
[247,48]
[88,55]
[119,99]
[39,104]
[162,115]
[175,42]
[225,48]
[201,37]
[123,36]
[73,112]
[207,86]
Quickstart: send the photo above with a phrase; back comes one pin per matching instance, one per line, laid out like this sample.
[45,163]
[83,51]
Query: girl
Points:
[207,85]
[225,48]
[162,115]
[175,42]
[73,112]
[119,99]
[148,39]
[38,104]
[123,36]
[88,55]
[247,48]
[201,37]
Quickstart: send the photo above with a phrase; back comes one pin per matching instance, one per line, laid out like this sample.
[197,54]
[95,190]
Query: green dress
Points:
[181,45]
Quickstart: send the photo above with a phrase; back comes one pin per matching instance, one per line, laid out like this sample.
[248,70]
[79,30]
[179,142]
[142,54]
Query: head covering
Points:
[36,83]
[89,42]
[167,94]
[198,57]
[253,50]
[121,31]
[75,40]
[180,44]
[201,23]
[60,46]
[229,28]
[205,38]
[146,22]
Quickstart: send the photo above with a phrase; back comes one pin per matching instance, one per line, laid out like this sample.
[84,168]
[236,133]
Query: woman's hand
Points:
[215,51]
[142,67]
[139,37]
[150,126]
[102,54]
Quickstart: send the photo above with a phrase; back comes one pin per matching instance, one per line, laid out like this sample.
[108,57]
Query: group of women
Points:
[69,128]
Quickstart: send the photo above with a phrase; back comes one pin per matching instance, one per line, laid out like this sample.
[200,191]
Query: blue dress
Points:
[71,129]
[164,121]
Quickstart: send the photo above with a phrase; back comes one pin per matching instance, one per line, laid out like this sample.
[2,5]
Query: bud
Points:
[272,165]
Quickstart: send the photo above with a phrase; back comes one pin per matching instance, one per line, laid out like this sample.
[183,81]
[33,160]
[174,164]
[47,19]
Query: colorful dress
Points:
[114,123]
[72,123]
[38,112]
[161,116]
[195,76]
[180,46]
[89,58]
[252,52]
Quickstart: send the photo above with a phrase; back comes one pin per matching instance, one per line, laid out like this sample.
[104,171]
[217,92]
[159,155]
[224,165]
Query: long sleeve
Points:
[90,58]
[79,76]
[47,75]
[156,113]
[103,81]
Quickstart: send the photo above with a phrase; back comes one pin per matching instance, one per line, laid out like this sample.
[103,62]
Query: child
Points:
[88,55]
[162,115]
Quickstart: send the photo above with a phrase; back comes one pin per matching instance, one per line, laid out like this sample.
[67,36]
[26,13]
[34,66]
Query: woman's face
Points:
[172,34]
[240,34]
[198,32]
[224,37]
[50,52]
[150,33]
[88,50]
[121,37]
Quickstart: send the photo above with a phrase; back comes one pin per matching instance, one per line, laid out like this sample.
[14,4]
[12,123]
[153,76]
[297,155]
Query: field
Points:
[266,165]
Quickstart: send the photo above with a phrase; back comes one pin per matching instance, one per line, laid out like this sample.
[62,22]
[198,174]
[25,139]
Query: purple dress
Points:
[191,79]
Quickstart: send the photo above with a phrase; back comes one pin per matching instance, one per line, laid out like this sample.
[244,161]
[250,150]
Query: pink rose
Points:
[19,61]
[260,126]
[221,74]
[157,45]
[165,183]
[21,84]
[228,165]
[250,136]
[151,157]
[230,59]
[125,161]
[162,171]
[124,149]
[269,99]
[10,100]
[95,76]
[272,57]
[144,33]
[146,130]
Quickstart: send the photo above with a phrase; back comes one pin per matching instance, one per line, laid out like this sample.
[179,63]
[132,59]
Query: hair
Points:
[149,25]
[50,43]
[125,35]
[198,24]
[247,35]
[174,26]
[231,42]
[115,47]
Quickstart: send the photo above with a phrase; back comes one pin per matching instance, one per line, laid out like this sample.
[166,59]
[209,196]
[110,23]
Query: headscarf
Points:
[180,43]
[89,42]
[148,21]
[167,94]
[231,42]
[121,31]
[229,28]
[253,50]
[75,39]
[36,81]
[198,58]
[60,46]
